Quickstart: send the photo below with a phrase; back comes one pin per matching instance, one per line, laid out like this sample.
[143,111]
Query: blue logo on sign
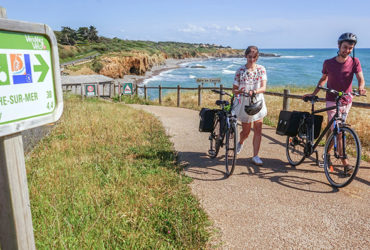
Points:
[21,68]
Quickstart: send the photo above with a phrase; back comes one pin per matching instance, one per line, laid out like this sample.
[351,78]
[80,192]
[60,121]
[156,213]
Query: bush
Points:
[96,66]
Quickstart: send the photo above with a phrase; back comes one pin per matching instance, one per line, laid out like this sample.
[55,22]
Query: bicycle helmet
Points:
[349,37]
[254,107]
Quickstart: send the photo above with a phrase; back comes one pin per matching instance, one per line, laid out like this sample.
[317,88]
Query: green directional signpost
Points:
[27,84]
[30,96]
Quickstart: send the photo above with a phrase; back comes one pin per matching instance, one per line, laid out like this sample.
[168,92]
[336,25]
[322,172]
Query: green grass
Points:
[78,56]
[108,46]
[106,178]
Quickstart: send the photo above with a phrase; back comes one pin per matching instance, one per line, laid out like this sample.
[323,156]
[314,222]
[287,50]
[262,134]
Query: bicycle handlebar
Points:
[220,92]
[225,93]
[355,92]
[310,98]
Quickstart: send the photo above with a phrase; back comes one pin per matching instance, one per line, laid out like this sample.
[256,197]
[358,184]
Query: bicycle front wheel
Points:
[295,150]
[230,147]
[342,157]
[215,140]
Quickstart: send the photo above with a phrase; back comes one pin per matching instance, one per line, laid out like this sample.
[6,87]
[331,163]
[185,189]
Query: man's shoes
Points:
[348,170]
[239,148]
[257,161]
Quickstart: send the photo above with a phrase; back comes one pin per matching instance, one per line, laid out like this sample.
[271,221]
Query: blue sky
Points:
[267,24]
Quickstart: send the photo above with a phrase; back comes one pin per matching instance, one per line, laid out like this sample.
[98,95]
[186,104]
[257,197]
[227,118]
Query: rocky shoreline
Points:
[173,64]
[156,70]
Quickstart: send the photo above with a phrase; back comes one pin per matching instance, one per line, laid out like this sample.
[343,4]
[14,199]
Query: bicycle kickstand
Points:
[317,158]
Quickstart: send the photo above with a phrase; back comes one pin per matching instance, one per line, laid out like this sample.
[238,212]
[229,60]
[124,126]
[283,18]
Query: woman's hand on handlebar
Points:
[238,91]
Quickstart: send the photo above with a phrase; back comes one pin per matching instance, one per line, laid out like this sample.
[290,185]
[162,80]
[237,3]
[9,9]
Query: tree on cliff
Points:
[93,34]
[68,36]
[83,34]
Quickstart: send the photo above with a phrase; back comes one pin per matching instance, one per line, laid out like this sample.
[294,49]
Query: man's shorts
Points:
[343,111]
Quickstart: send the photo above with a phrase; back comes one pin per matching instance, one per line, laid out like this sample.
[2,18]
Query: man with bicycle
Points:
[338,73]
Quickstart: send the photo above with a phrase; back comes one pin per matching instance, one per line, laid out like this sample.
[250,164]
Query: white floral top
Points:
[250,81]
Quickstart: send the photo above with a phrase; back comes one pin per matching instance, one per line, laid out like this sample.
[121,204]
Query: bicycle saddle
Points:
[222,102]
[311,98]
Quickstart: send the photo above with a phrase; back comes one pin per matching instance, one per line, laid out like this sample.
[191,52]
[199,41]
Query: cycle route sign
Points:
[30,87]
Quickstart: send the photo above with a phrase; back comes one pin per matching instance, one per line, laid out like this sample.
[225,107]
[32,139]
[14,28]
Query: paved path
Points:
[273,206]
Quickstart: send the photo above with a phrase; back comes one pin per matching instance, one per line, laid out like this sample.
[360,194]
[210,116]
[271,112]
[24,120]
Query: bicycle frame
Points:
[311,129]
[224,118]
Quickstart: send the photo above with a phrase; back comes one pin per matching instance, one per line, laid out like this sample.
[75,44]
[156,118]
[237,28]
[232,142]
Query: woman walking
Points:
[251,78]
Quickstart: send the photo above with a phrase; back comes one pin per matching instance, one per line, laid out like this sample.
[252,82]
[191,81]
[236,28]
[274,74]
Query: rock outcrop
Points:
[118,65]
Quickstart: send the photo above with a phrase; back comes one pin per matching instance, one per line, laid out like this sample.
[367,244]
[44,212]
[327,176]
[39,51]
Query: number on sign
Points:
[48,94]
[50,105]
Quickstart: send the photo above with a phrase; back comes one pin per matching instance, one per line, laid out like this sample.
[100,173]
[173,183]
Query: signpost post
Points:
[30,96]
[125,89]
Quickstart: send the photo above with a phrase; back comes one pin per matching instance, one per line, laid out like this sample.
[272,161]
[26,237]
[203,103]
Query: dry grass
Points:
[358,117]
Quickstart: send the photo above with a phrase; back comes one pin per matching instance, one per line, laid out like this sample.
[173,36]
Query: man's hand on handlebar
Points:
[362,91]
[307,96]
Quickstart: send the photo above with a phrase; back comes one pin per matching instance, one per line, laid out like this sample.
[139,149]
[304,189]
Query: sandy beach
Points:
[156,70]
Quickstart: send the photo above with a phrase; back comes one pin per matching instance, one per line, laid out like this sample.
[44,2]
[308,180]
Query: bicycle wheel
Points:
[215,140]
[230,147]
[295,150]
[342,157]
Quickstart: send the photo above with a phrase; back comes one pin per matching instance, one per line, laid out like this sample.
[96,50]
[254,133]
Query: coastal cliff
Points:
[116,66]
[119,64]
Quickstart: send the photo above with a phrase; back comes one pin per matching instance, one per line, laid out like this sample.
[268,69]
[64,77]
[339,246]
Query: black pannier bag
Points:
[289,122]
[207,120]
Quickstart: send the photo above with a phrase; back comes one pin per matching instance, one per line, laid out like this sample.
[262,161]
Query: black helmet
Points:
[254,107]
[350,37]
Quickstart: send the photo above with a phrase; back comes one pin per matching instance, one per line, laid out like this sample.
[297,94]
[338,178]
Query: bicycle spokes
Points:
[342,160]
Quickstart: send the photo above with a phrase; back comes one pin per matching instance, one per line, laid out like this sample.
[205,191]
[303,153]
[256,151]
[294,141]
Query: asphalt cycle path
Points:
[269,206]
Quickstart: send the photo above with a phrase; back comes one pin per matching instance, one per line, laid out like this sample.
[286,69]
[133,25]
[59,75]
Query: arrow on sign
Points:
[43,68]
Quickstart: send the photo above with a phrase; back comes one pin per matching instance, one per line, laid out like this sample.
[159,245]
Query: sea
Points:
[293,68]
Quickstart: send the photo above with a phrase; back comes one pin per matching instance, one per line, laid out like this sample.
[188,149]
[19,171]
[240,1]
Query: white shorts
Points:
[343,111]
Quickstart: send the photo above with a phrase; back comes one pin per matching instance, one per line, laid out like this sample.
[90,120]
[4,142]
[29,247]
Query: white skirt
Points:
[244,117]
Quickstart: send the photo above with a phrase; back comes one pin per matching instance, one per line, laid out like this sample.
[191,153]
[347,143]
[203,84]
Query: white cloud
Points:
[237,28]
[193,29]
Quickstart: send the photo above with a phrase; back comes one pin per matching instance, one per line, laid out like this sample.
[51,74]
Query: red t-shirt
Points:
[340,76]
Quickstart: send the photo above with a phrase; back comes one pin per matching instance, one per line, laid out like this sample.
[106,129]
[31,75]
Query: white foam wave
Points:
[228,72]
[192,77]
[153,78]
[294,57]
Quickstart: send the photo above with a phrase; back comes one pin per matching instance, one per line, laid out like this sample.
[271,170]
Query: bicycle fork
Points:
[339,150]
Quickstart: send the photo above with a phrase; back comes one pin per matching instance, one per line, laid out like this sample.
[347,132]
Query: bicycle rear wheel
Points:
[342,157]
[230,147]
[215,140]
[295,150]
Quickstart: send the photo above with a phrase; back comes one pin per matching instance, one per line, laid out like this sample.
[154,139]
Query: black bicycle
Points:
[342,153]
[225,132]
